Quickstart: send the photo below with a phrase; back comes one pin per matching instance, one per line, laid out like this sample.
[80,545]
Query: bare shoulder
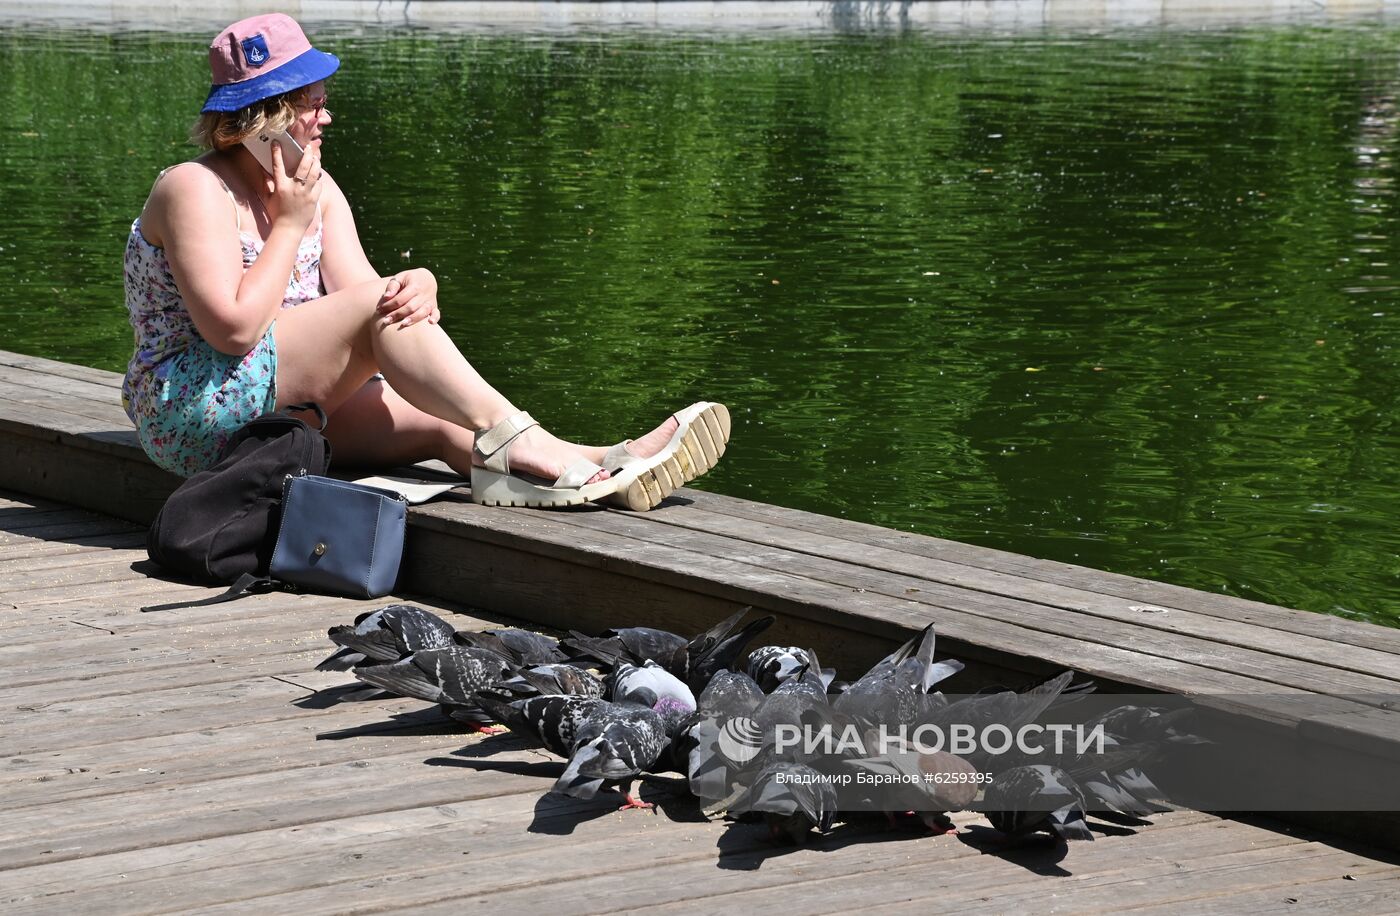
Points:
[332,196]
[188,193]
[193,177]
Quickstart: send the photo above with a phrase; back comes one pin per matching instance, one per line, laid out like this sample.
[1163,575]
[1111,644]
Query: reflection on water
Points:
[1124,300]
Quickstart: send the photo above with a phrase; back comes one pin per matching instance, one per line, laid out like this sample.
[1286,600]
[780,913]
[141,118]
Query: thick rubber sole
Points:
[695,448]
[492,489]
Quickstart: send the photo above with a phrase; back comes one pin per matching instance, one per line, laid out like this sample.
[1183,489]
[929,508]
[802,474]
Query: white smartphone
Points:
[260,145]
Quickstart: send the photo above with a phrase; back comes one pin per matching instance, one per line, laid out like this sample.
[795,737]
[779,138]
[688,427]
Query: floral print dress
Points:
[186,398]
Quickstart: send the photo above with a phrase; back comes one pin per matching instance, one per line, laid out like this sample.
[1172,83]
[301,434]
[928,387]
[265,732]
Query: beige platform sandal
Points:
[692,450]
[495,485]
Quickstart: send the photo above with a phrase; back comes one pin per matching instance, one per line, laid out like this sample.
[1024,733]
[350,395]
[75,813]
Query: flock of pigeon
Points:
[640,700]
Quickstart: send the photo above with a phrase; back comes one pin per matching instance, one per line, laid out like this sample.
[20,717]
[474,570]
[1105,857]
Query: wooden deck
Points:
[162,761]
[183,761]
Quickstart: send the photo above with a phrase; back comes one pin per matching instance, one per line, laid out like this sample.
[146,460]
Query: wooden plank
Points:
[1143,591]
[42,366]
[87,525]
[114,618]
[421,845]
[113,676]
[342,851]
[83,391]
[132,594]
[84,570]
[22,524]
[93,661]
[101,564]
[13,498]
[240,804]
[51,623]
[83,400]
[28,419]
[605,878]
[1367,894]
[247,699]
[1075,600]
[123,540]
[830,585]
[966,880]
[73,774]
[86,464]
[1212,882]
[1369,731]
[20,516]
[1011,881]
[1124,629]
[855,626]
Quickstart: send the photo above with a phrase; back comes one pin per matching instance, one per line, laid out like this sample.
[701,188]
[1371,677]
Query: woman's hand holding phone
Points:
[294,195]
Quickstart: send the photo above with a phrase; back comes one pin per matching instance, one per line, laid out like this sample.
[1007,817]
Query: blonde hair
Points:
[221,130]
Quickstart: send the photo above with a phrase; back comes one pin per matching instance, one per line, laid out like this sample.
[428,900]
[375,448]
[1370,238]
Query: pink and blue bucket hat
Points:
[260,57]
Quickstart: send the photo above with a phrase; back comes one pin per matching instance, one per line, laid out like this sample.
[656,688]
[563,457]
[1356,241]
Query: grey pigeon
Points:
[1007,708]
[694,660]
[1030,799]
[615,744]
[694,748]
[927,784]
[894,691]
[629,644]
[1132,724]
[730,693]
[719,647]
[549,721]
[450,676]
[522,647]
[555,679]
[386,635]
[794,701]
[724,755]
[647,684]
[769,666]
[793,798]
[1110,781]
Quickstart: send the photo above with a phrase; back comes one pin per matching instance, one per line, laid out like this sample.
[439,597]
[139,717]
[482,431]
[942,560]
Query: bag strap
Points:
[311,405]
[246,584]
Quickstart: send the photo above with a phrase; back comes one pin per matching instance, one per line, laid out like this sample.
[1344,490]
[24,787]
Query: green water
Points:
[1125,299]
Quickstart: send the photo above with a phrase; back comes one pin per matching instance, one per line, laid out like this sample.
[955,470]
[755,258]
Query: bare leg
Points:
[329,347]
[375,427]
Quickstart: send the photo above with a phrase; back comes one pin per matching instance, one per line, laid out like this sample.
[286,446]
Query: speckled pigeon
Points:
[1007,708]
[615,744]
[769,666]
[550,721]
[628,644]
[552,680]
[793,798]
[925,783]
[522,647]
[718,648]
[450,676]
[1030,799]
[386,635]
[894,691]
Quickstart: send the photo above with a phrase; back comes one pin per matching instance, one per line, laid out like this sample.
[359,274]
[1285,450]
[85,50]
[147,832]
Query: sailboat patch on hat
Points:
[255,51]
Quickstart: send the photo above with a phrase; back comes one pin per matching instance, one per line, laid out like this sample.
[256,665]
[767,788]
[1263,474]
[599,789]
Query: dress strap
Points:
[237,213]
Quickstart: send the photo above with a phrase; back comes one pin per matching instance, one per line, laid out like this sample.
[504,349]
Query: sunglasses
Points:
[314,105]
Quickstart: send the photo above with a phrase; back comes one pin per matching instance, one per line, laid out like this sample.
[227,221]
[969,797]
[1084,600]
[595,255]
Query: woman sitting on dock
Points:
[250,292]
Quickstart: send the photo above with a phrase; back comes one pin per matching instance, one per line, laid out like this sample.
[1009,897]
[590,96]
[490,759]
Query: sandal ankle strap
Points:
[494,443]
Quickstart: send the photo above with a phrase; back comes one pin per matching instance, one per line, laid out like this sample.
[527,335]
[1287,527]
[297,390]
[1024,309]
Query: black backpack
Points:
[221,524]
